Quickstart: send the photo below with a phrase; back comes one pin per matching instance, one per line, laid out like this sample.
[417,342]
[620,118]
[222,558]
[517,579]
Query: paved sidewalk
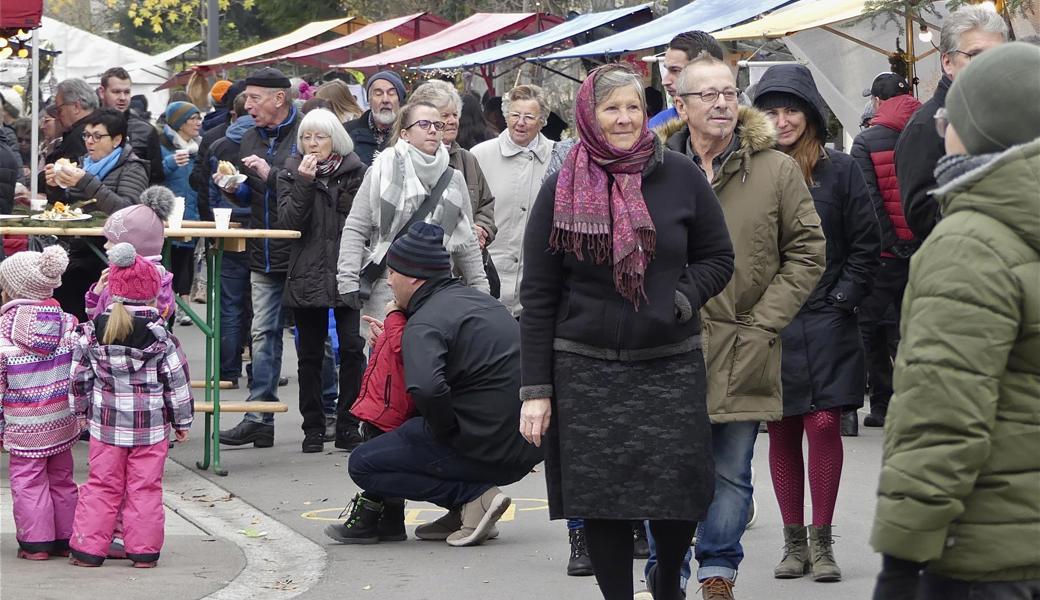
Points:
[194,563]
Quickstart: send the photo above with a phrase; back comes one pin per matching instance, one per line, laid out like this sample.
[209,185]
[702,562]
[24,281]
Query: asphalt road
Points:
[305,492]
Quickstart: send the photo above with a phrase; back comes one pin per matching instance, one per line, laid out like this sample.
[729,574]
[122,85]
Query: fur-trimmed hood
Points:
[755,131]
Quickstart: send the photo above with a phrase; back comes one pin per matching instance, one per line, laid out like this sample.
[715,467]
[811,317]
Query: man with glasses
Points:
[263,151]
[371,131]
[780,251]
[965,34]
[115,91]
[514,164]
[74,101]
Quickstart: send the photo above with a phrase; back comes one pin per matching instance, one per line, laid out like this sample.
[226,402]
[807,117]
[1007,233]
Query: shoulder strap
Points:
[373,271]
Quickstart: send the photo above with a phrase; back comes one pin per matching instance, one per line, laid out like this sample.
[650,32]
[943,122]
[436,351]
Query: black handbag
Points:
[494,281]
[371,272]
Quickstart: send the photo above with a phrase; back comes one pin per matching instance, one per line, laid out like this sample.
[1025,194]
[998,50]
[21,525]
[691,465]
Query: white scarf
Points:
[192,145]
[403,176]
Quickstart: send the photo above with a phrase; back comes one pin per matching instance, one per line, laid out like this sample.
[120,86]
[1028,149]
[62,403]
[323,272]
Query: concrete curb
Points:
[280,563]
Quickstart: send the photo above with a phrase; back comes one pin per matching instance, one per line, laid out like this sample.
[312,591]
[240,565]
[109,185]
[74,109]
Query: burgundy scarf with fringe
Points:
[609,219]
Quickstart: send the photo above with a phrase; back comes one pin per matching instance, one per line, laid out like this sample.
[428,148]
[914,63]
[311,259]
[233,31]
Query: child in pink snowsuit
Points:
[36,423]
[140,225]
[130,381]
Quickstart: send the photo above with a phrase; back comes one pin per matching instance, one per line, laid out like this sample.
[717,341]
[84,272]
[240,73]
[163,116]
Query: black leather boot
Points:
[261,435]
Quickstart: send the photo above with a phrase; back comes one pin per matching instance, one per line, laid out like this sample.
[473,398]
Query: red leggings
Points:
[823,428]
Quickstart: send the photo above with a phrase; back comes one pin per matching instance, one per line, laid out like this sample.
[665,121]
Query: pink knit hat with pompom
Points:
[131,278]
[33,275]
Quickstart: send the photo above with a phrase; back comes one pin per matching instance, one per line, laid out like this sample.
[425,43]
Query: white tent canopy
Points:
[86,56]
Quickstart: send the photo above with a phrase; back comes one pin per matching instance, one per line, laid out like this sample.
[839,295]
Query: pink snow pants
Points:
[115,472]
[44,498]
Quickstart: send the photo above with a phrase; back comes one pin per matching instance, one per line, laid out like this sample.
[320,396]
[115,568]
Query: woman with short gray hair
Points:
[315,193]
[515,163]
[624,246]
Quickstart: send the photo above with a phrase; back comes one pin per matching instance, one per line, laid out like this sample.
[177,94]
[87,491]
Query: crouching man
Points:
[461,351]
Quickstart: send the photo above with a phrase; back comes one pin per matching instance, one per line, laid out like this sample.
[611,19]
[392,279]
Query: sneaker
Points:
[717,588]
[874,420]
[145,565]
[478,517]
[283,381]
[348,439]
[313,442]
[448,524]
[752,514]
[579,565]
[260,434]
[640,546]
[183,318]
[361,524]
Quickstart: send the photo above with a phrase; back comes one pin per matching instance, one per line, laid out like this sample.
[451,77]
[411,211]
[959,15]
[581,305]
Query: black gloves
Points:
[898,579]
[352,300]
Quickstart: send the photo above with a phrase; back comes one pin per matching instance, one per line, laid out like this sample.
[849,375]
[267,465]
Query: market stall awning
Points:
[471,32]
[400,30]
[803,15]
[160,60]
[705,15]
[555,35]
[20,14]
[279,44]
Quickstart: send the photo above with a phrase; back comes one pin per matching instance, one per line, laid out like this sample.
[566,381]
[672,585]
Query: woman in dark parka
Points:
[315,193]
[823,364]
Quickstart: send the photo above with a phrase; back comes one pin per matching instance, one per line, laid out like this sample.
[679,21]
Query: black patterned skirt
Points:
[629,440]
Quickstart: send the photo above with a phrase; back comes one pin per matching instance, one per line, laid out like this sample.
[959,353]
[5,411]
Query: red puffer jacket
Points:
[874,151]
[384,400]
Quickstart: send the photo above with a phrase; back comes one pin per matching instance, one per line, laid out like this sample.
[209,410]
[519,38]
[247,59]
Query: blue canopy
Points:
[554,35]
[705,15]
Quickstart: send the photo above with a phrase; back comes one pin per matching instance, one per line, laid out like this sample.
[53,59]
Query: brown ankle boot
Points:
[821,548]
[795,562]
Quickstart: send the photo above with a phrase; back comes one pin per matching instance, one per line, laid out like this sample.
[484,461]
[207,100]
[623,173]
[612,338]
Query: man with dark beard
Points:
[371,131]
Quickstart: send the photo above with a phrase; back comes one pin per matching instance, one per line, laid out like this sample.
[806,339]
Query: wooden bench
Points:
[243,407]
[200,384]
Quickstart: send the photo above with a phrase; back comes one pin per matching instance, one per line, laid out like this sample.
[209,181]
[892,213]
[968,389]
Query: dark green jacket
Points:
[960,483]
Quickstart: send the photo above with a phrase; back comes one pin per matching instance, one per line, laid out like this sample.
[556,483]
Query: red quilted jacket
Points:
[874,151]
[384,401]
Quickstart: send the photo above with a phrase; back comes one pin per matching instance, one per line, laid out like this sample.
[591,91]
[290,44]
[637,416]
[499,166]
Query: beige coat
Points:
[515,175]
[780,254]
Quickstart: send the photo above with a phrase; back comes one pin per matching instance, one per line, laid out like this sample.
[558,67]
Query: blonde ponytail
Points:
[119,326]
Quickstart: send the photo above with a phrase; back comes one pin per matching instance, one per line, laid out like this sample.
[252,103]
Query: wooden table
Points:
[223,240]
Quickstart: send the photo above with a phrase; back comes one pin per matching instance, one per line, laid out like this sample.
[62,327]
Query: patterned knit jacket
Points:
[132,392]
[36,341]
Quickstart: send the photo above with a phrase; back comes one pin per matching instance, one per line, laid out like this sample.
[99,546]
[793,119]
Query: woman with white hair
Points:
[315,194]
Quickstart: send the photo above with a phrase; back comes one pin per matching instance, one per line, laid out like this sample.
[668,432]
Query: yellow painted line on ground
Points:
[418,516]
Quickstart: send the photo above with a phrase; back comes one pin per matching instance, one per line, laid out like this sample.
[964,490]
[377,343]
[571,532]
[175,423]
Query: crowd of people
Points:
[471,296]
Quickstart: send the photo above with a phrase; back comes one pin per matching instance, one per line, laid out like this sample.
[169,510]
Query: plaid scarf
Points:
[609,218]
[329,165]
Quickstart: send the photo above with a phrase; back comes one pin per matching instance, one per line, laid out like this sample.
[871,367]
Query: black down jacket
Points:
[822,360]
[317,209]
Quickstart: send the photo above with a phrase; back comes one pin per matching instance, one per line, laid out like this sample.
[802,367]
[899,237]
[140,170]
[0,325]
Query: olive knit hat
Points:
[994,104]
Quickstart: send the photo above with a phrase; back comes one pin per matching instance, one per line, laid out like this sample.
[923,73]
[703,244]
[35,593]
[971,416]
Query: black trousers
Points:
[879,329]
[934,587]
[312,325]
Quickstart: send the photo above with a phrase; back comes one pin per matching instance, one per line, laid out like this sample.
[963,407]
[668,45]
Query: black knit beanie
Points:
[420,253]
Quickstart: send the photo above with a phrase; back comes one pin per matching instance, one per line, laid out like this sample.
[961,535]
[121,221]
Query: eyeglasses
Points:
[95,137]
[941,122]
[316,137]
[970,55]
[425,125]
[526,117]
[711,96]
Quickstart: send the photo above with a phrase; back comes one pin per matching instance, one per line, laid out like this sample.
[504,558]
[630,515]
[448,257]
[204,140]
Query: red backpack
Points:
[384,402]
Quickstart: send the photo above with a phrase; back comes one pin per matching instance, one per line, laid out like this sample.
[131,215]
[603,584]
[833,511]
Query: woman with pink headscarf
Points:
[622,248]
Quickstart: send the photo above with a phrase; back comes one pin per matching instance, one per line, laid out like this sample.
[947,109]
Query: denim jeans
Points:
[718,537]
[234,312]
[267,290]
[329,382]
[934,587]
[408,463]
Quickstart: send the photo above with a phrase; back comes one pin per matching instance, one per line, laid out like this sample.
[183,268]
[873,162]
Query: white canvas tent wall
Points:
[86,55]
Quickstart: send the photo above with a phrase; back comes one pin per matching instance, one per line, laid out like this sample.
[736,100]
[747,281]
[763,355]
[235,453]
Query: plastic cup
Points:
[222,218]
[176,213]
[36,204]
[182,154]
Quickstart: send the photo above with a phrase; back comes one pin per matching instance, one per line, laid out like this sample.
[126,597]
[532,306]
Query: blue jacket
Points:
[176,179]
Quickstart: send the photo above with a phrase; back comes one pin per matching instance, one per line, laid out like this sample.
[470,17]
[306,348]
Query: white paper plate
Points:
[40,217]
[229,180]
[5,217]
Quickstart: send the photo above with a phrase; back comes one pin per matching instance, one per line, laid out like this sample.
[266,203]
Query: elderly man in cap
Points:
[461,353]
[371,131]
[263,151]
